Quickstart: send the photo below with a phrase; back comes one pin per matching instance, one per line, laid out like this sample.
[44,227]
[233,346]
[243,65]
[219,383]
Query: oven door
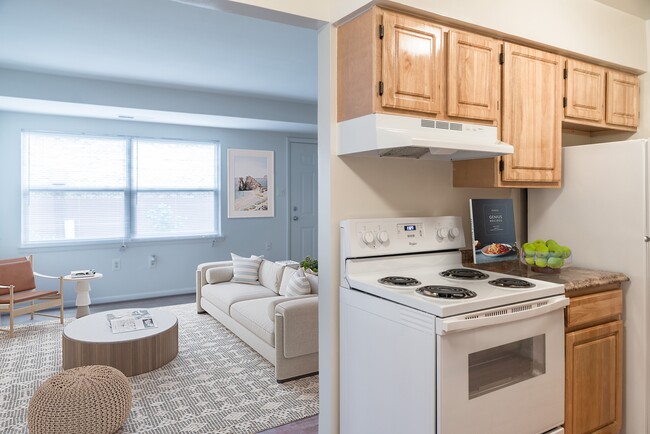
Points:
[502,370]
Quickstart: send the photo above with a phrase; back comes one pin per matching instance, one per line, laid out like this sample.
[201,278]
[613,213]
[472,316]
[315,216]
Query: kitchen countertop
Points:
[574,279]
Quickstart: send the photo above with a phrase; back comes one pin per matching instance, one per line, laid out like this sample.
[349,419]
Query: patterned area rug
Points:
[216,384]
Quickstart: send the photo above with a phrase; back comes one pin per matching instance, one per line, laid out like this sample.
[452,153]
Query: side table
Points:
[83,292]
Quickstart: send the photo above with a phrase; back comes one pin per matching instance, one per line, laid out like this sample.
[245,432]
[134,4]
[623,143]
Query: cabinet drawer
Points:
[593,308]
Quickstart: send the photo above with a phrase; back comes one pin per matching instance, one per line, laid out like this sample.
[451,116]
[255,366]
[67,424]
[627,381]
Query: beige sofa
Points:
[283,329]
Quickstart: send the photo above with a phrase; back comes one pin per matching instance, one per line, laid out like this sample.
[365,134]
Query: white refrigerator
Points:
[601,213]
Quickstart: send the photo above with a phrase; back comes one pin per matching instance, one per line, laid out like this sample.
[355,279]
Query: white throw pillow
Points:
[313,281]
[270,275]
[298,284]
[218,275]
[245,269]
[286,277]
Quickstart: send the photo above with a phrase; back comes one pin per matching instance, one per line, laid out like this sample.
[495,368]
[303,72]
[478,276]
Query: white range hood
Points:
[383,135]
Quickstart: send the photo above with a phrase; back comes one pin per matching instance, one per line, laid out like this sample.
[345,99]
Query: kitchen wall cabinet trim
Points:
[473,76]
[622,106]
[412,64]
[584,91]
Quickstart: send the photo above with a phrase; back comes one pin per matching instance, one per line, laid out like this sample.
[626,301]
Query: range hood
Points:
[383,135]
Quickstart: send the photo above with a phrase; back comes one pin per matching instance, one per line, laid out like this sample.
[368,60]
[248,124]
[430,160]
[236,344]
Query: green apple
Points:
[539,243]
[540,262]
[555,262]
[555,251]
[529,249]
[552,243]
[566,252]
[530,260]
[541,251]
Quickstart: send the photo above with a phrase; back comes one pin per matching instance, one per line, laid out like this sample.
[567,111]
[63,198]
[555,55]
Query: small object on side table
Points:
[83,289]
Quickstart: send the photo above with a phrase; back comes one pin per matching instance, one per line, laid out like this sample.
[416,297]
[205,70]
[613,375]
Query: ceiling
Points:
[639,8]
[160,42]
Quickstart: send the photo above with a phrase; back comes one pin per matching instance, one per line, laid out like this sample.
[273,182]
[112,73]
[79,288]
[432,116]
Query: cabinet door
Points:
[412,67]
[594,358]
[585,91]
[473,79]
[622,99]
[532,92]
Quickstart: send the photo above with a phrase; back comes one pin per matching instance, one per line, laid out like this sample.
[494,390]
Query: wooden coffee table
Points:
[90,341]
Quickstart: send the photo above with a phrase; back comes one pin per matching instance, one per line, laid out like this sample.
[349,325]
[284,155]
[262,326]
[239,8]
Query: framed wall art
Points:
[250,183]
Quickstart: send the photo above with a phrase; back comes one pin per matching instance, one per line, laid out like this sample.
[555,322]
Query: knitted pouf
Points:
[90,399]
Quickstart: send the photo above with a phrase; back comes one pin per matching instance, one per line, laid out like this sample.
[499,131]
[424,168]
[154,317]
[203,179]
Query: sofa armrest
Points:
[201,271]
[296,323]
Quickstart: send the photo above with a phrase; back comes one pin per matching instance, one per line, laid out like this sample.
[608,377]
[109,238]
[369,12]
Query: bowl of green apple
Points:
[545,256]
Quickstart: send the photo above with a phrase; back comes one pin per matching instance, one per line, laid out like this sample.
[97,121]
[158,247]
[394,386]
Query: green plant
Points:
[309,263]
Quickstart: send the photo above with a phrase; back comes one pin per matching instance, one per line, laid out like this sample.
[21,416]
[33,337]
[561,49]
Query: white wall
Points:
[177,259]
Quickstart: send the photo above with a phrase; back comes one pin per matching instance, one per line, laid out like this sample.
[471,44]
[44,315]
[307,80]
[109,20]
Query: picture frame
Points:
[251,186]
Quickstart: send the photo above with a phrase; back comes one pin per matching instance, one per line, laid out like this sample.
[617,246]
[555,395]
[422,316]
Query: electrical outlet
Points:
[153,261]
[117,264]
[269,245]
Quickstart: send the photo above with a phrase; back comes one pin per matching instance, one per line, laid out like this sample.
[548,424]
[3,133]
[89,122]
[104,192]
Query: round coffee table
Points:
[90,341]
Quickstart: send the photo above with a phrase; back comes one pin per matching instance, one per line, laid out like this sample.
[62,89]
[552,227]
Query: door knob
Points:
[295,217]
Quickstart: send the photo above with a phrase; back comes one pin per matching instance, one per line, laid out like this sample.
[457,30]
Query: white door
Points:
[303,199]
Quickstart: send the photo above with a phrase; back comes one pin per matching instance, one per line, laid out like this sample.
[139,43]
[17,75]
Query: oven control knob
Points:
[382,237]
[368,238]
[453,233]
[443,232]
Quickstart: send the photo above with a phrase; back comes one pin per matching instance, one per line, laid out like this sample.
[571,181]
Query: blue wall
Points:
[177,260]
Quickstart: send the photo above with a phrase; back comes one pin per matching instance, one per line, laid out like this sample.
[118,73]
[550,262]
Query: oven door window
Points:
[499,367]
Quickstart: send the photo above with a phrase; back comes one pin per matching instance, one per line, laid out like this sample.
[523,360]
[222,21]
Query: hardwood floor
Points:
[308,425]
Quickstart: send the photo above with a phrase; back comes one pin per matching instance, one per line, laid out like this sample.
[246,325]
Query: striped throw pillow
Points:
[245,269]
[298,284]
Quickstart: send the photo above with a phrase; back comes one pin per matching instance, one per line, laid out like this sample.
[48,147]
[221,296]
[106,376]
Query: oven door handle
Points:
[500,315]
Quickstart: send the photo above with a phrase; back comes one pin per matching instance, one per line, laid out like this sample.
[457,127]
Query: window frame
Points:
[130,193]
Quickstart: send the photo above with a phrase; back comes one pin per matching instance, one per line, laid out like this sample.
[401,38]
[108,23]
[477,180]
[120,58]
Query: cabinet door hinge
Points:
[566,73]
[502,165]
[564,102]
[381,88]
[381,31]
[502,58]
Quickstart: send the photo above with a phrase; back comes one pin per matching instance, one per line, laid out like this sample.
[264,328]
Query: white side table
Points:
[83,292]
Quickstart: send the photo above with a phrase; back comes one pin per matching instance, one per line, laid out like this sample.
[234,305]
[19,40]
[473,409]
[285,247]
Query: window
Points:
[91,188]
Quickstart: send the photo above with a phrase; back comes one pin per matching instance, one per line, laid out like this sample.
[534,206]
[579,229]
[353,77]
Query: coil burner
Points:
[440,291]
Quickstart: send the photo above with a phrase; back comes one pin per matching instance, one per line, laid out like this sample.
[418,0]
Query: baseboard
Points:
[133,296]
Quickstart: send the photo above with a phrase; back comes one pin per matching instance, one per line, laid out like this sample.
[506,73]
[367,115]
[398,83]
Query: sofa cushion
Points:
[252,314]
[298,284]
[224,295]
[270,275]
[286,276]
[218,274]
[313,281]
[245,269]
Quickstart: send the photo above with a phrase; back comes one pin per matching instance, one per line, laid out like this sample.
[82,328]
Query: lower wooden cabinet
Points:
[594,368]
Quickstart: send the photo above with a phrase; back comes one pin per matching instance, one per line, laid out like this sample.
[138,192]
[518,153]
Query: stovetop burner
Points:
[511,282]
[399,281]
[464,274]
[441,291]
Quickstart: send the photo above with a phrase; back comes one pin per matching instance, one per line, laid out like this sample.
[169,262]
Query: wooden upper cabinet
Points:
[584,91]
[411,64]
[622,99]
[532,94]
[473,76]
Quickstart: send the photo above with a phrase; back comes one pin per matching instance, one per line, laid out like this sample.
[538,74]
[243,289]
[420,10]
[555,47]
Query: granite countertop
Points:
[573,278]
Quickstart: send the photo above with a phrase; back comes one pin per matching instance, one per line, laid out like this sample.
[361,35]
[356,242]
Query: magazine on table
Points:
[138,319]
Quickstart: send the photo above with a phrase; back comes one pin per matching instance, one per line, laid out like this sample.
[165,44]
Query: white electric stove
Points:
[426,342]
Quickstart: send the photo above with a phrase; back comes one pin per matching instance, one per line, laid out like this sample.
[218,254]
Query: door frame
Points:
[293,141]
